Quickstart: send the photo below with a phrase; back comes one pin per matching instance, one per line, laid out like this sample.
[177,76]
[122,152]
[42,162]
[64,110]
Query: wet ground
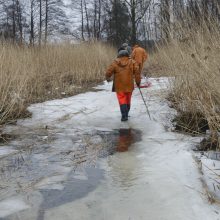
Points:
[41,157]
[75,160]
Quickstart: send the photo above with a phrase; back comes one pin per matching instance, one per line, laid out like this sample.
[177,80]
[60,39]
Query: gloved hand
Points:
[108,79]
[138,85]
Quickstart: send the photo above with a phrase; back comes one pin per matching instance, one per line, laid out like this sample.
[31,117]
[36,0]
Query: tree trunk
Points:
[166,18]
[94,21]
[117,37]
[87,19]
[99,21]
[19,21]
[32,24]
[40,28]
[46,21]
[82,20]
[133,23]
[13,22]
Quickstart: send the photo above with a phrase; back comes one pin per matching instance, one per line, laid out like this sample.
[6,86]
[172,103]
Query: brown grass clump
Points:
[194,62]
[154,67]
[29,75]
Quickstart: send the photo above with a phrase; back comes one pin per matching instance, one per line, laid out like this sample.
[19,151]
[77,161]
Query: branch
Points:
[143,13]
[128,3]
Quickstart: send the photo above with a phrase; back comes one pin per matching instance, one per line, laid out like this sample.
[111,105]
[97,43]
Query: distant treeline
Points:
[116,21]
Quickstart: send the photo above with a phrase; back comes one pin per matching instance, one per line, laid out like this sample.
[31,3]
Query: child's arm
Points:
[110,71]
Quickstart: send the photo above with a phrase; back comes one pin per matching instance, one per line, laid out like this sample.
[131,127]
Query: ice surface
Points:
[156,179]
[12,205]
[211,171]
[53,182]
[5,151]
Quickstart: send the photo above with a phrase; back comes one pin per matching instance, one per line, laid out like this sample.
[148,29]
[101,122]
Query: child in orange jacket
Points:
[125,72]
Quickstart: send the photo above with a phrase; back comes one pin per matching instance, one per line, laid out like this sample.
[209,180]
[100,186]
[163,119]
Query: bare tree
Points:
[46,20]
[87,19]
[97,5]
[82,19]
[165,18]
[137,10]
[40,22]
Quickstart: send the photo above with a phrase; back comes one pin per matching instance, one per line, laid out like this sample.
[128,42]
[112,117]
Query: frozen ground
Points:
[210,167]
[65,163]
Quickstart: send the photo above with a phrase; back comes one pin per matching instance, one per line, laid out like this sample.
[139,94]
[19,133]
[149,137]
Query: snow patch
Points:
[5,151]
[211,175]
[12,205]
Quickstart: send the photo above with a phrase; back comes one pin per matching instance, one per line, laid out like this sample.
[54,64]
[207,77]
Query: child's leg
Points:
[128,97]
[122,99]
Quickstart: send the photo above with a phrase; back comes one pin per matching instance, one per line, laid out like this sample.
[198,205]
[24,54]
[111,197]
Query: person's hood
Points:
[124,45]
[122,61]
[122,52]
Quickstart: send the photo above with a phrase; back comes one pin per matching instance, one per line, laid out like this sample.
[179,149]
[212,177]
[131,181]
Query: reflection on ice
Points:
[126,138]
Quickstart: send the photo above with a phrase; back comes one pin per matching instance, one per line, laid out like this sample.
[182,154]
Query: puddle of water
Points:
[120,140]
[76,188]
[73,189]
[41,167]
[33,164]
[126,138]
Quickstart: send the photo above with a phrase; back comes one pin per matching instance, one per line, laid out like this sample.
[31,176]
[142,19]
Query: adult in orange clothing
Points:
[125,72]
[140,55]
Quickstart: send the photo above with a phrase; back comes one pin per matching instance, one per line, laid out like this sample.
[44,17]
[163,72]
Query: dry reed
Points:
[29,75]
[194,62]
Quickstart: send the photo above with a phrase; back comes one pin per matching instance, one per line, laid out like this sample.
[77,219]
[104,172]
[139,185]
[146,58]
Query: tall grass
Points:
[29,75]
[194,61]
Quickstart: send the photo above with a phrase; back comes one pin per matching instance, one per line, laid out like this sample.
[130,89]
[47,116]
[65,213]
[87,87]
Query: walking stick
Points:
[145,103]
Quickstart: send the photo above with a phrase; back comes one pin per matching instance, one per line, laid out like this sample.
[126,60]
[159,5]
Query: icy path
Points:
[156,179]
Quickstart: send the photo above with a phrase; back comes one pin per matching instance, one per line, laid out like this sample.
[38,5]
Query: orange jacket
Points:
[125,71]
[139,54]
